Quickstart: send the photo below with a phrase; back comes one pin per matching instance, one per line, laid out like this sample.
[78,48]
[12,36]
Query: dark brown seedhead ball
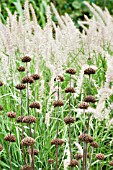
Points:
[57,141]
[26,167]
[78,156]
[83,105]
[11,114]
[26,59]
[100,156]
[21,69]
[1,147]
[1,83]
[70,71]
[28,141]
[29,119]
[35,76]
[73,163]
[69,90]
[94,144]
[10,138]
[89,71]
[19,119]
[34,105]
[20,86]
[85,138]
[58,103]
[111,163]
[27,80]
[59,78]
[50,161]
[69,120]
[1,108]
[36,152]
[90,99]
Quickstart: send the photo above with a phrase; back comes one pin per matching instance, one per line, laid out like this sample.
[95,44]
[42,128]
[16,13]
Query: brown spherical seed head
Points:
[57,141]
[1,108]
[83,105]
[26,167]
[35,76]
[69,90]
[59,78]
[20,86]
[58,103]
[73,163]
[89,71]
[1,83]
[111,163]
[85,138]
[36,152]
[10,138]
[28,141]
[21,69]
[1,147]
[70,71]
[90,99]
[11,114]
[50,161]
[100,156]
[69,120]
[29,119]
[34,105]
[78,156]
[26,59]
[94,144]
[19,119]
[27,80]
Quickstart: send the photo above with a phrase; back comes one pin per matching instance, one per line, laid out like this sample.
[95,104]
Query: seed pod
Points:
[20,86]
[89,71]
[69,90]
[90,99]
[35,105]
[50,161]
[83,105]
[1,147]
[26,59]
[19,119]
[59,78]
[94,144]
[29,119]
[73,163]
[58,103]
[78,156]
[11,114]
[10,138]
[27,79]
[1,83]
[85,138]
[21,69]
[57,141]
[70,71]
[26,167]
[28,141]
[111,163]
[100,156]
[35,76]
[69,120]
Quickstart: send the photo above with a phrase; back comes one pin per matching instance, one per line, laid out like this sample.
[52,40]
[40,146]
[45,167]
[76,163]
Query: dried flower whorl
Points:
[27,80]
[57,141]
[73,163]
[36,152]
[50,161]
[35,76]
[26,167]
[78,156]
[28,141]
[83,105]
[90,99]
[59,78]
[1,83]
[69,120]
[111,163]
[85,138]
[94,144]
[20,86]
[29,119]
[89,71]
[70,71]
[26,59]
[21,69]
[11,114]
[100,156]
[69,90]
[1,108]
[10,138]
[34,105]
[19,119]
[1,147]
[58,103]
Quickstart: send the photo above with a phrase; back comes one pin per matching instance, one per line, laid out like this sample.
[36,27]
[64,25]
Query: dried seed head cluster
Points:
[28,141]
[1,147]
[90,99]
[11,114]
[73,163]
[100,156]
[69,120]
[1,83]
[27,79]
[1,108]
[70,71]
[10,138]
[19,119]
[57,141]
[94,144]
[89,71]
[35,76]
[111,163]
[83,105]
[21,69]
[69,90]
[26,59]
[20,86]
[36,152]
[26,167]
[85,138]
[34,105]
[78,156]
[29,119]
[58,103]
[50,161]
[59,78]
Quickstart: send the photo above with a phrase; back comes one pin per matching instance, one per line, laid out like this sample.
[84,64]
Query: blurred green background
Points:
[75,8]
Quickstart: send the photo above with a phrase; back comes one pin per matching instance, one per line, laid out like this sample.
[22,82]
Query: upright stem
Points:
[10,156]
[34,108]
[91,158]
[84,157]
[27,89]
[32,150]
